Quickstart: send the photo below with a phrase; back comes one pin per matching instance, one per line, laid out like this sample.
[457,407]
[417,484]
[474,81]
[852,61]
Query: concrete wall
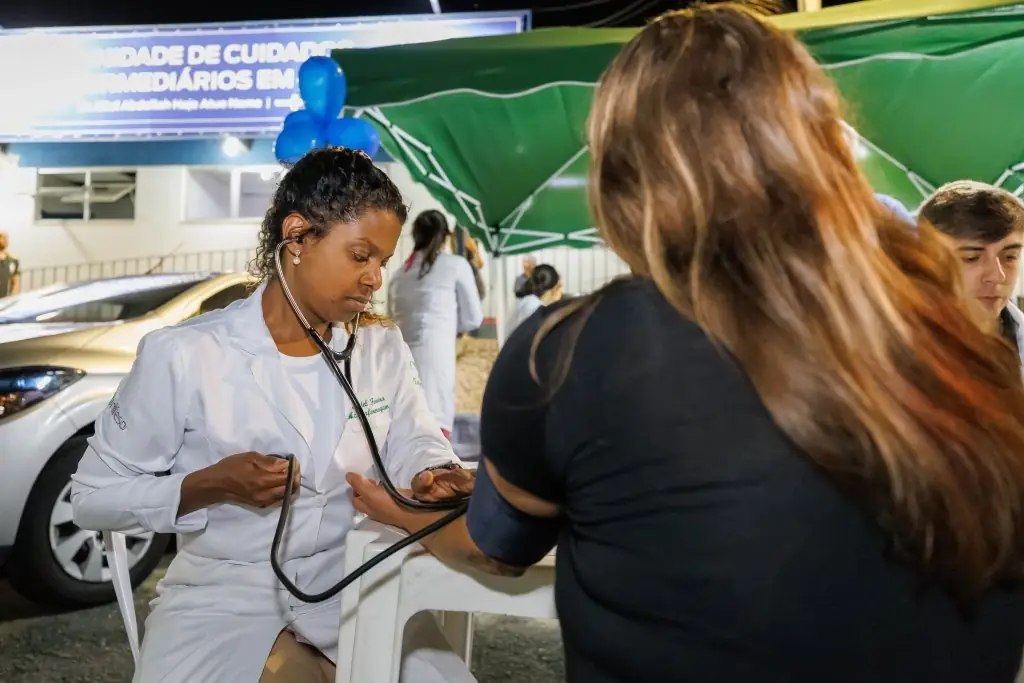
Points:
[160,226]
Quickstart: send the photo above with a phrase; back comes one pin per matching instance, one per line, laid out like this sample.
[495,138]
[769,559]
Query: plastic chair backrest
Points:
[117,560]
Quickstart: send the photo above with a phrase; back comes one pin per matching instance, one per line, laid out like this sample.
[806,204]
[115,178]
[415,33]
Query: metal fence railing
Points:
[207,261]
[582,270]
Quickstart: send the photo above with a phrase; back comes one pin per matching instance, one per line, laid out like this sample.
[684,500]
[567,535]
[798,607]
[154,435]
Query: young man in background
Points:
[986,224]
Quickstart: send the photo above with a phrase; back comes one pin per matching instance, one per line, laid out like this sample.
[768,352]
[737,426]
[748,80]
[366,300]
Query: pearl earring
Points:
[296,260]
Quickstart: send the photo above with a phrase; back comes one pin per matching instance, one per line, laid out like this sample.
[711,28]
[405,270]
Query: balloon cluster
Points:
[322,87]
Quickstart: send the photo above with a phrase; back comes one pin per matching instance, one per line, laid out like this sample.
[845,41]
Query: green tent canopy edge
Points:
[390,81]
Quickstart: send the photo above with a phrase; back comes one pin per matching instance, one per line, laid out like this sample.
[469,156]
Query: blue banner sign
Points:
[188,81]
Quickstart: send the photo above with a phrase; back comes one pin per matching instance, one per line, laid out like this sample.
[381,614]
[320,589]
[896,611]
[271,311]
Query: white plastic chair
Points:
[116,550]
[365,541]
[374,615]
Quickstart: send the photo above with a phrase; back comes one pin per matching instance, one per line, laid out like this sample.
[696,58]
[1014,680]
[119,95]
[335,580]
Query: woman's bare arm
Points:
[455,545]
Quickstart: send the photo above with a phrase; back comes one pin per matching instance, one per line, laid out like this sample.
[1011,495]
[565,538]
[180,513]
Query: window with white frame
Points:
[229,193]
[84,195]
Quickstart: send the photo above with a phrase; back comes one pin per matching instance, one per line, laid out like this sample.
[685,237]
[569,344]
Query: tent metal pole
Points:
[501,317]
[499,287]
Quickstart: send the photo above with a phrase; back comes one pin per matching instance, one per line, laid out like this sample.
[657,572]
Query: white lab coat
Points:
[525,307]
[1018,317]
[212,387]
[432,311]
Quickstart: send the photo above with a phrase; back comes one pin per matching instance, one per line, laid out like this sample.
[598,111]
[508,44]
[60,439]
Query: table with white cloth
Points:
[376,608]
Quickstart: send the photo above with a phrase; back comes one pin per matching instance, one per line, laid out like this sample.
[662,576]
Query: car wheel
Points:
[57,563]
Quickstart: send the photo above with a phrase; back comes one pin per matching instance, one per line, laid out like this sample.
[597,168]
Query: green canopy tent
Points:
[494,127]
[931,86]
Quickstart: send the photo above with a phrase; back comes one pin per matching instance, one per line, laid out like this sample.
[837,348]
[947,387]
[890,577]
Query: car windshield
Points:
[100,301]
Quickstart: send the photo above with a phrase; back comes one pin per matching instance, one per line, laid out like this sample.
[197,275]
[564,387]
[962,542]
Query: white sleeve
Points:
[121,483]
[467,297]
[414,440]
[528,306]
[524,309]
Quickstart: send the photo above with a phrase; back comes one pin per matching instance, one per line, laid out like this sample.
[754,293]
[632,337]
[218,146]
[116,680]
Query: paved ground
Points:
[90,646]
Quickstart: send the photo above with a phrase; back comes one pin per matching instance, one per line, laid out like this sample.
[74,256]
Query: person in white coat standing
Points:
[542,288]
[186,445]
[434,298]
[986,226]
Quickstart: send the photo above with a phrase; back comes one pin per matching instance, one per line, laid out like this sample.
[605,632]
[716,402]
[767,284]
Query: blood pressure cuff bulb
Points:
[504,533]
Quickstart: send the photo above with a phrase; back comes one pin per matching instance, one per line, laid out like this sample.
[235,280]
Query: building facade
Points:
[151,148]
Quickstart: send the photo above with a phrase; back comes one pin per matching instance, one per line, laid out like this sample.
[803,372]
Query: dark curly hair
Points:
[429,232]
[974,211]
[326,186]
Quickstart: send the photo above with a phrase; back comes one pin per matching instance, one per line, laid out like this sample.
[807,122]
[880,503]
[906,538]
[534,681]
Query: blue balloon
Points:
[354,134]
[297,138]
[302,116]
[338,131]
[322,86]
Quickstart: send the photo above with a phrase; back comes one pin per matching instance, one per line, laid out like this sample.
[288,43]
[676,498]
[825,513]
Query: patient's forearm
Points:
[454,545]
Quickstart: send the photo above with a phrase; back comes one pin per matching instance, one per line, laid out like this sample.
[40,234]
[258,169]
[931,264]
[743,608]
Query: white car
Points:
[63,351]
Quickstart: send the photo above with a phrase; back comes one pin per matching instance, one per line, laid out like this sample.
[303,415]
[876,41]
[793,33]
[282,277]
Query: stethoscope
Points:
[458,506]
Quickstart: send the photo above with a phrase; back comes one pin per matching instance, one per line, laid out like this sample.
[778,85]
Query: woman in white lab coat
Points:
[185,445]
[434,298]
[542,288]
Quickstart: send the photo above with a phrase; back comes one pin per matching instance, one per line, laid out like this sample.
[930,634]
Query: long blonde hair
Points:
[720,170]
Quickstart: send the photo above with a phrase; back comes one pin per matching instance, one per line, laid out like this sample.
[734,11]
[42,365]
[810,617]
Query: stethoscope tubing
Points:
[456,506]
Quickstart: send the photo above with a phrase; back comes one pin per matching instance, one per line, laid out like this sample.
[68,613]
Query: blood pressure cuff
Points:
[502,532]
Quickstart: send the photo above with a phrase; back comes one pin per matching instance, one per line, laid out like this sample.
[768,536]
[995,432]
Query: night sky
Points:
[33,13]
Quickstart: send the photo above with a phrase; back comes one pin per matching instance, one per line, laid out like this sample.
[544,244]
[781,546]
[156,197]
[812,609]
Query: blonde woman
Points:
[782,451]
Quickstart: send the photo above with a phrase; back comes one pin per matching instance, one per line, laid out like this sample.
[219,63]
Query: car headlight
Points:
[22,388]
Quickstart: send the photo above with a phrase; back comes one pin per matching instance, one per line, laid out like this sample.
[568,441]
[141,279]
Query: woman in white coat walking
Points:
[434,298]
[186,444]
